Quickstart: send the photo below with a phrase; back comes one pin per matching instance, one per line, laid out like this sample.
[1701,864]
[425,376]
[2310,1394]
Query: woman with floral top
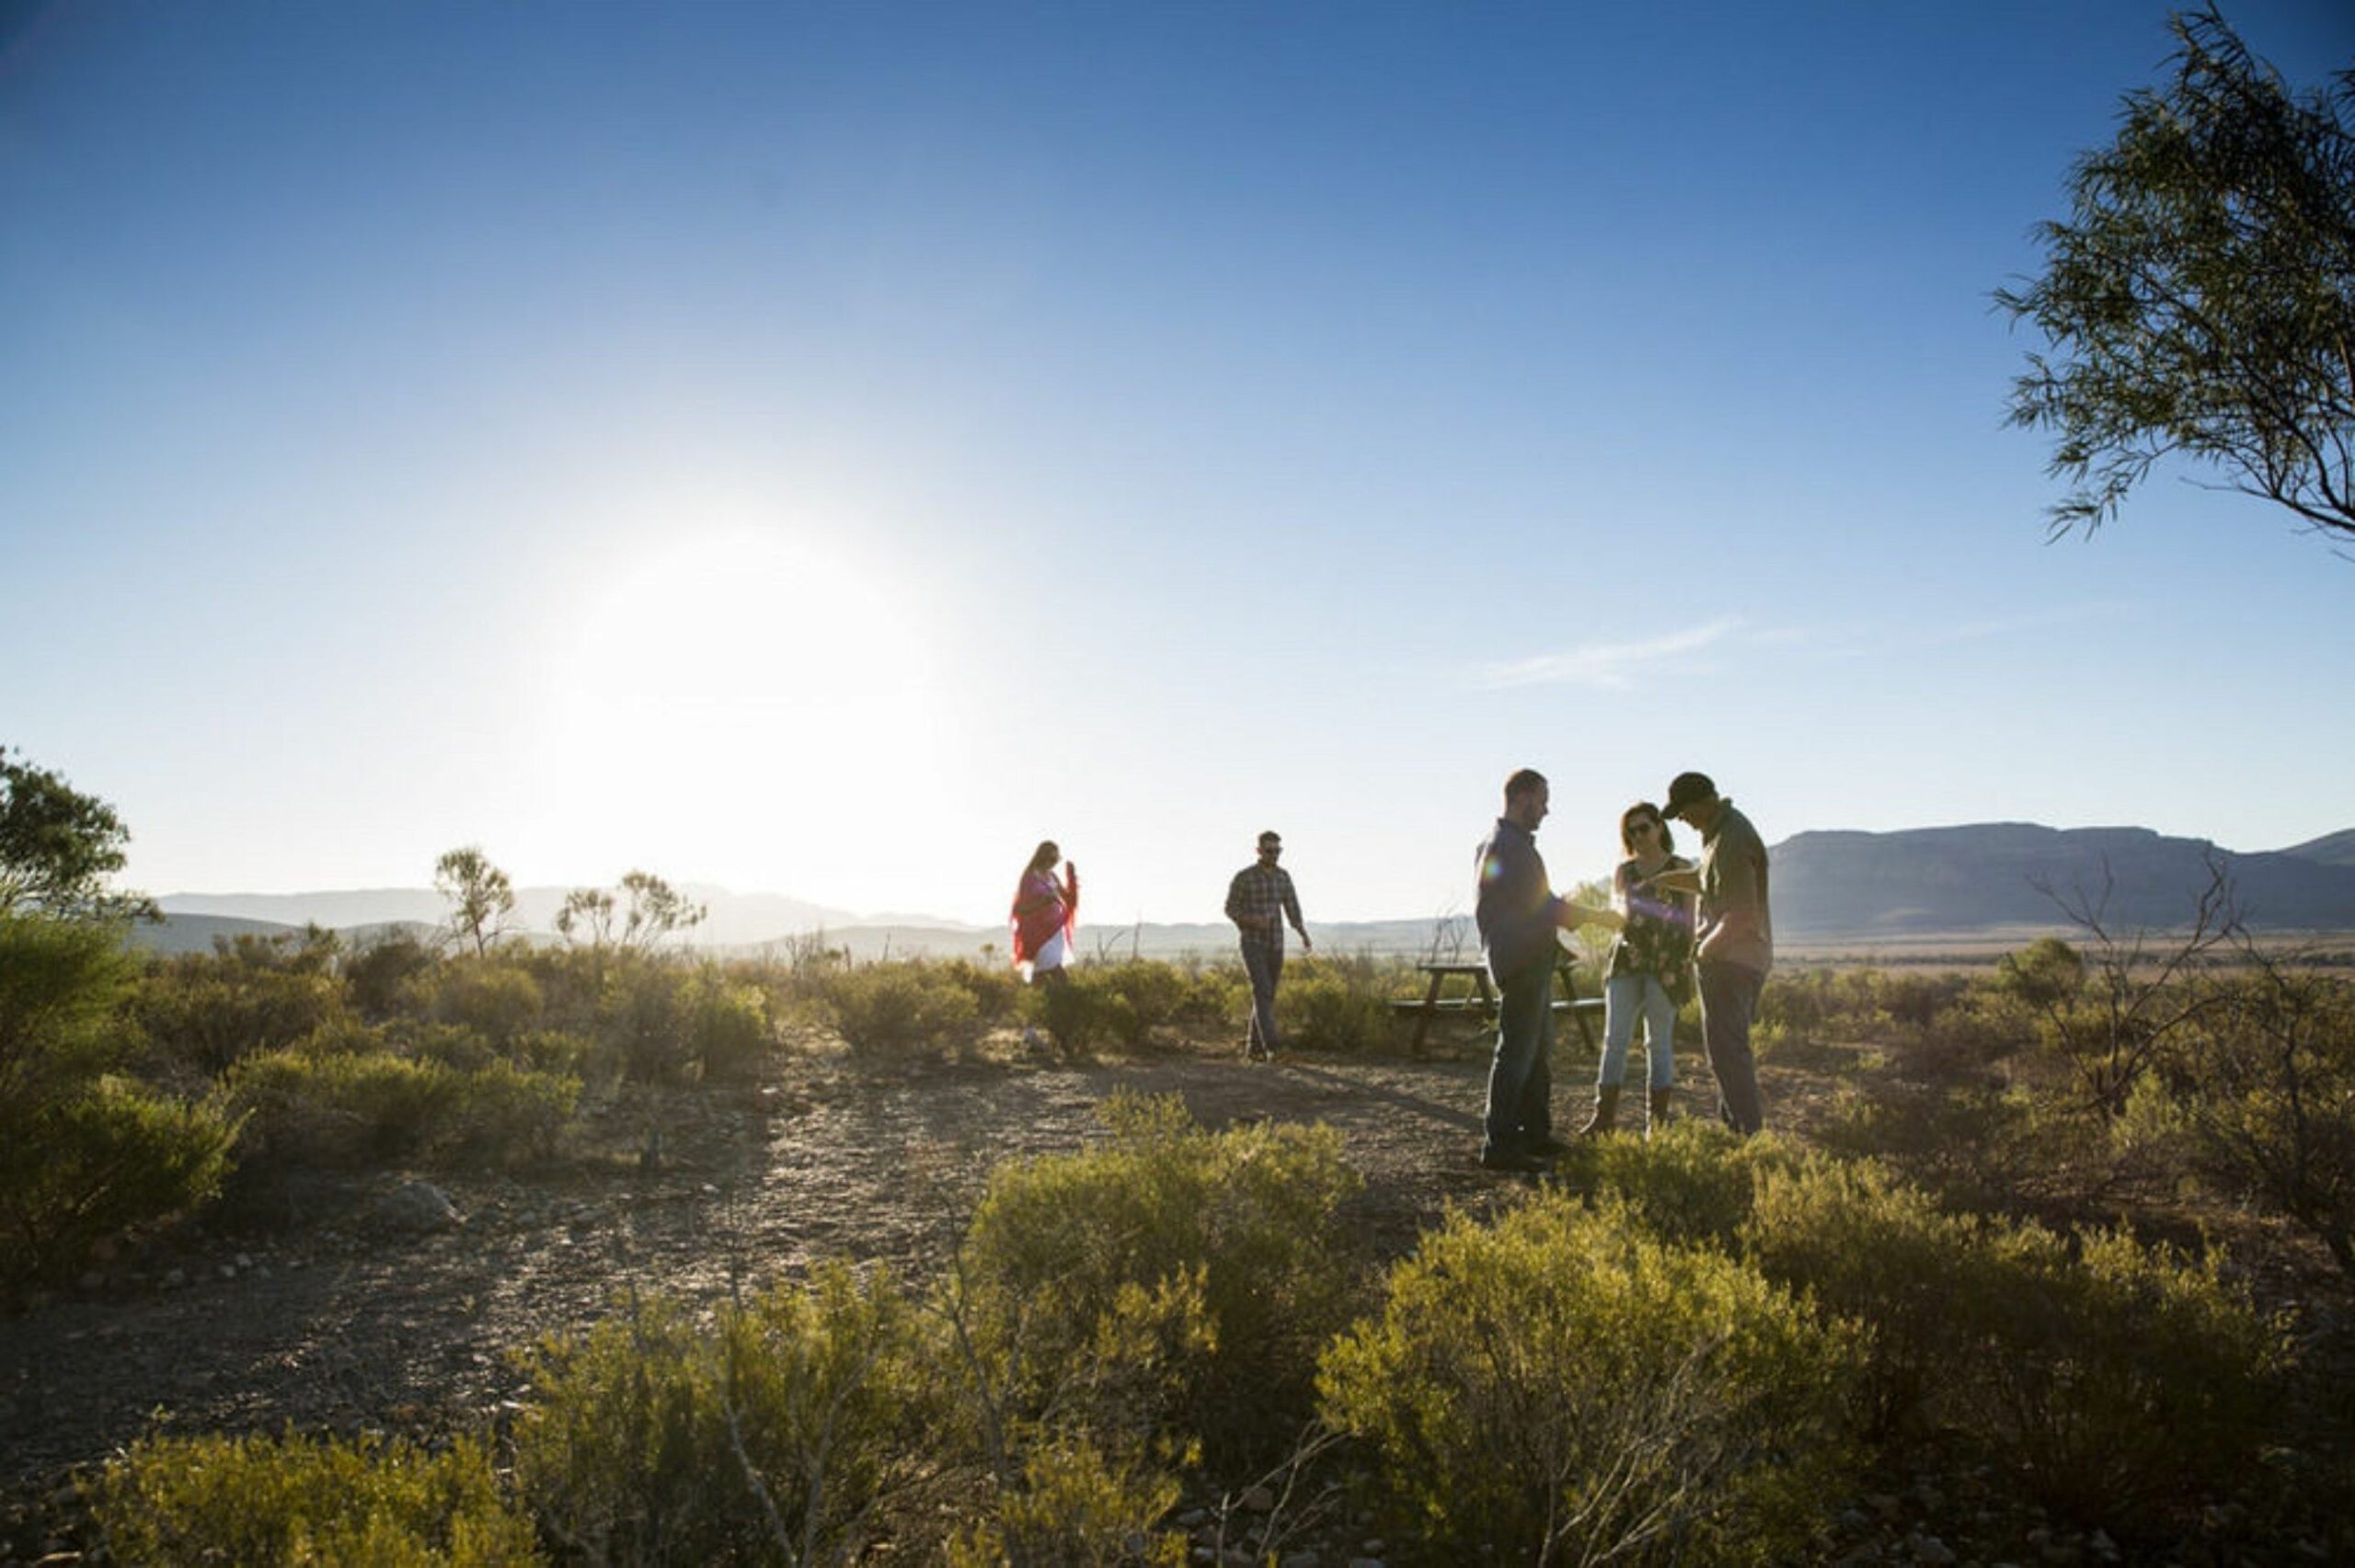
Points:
[1651,966]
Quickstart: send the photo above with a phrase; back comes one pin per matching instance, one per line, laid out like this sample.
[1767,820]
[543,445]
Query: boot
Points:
[1658,1117]
[1606,1112]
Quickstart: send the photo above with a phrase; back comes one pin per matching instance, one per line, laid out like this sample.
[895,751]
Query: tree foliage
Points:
[2201,298]
[481,898]
[58,846]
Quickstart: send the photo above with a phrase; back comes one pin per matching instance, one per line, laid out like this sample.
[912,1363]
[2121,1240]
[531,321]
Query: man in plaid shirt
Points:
[1259,901]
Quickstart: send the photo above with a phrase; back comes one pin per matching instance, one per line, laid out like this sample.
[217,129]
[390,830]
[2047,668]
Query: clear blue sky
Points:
[824,449]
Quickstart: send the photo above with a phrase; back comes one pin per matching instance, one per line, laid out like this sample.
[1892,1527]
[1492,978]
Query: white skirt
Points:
[1054,953]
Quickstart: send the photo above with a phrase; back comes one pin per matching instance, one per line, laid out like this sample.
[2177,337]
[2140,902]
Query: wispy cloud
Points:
[1610,667]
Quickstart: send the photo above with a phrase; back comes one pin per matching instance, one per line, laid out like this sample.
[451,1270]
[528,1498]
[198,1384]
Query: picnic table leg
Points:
[1430,1010]
[1571,993]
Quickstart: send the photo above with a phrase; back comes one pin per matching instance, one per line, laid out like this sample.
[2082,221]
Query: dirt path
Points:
[324,1322]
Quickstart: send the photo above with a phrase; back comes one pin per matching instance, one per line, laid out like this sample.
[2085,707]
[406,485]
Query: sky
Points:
[825,448]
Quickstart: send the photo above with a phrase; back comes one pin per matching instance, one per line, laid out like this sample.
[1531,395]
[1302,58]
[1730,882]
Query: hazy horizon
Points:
[826,449]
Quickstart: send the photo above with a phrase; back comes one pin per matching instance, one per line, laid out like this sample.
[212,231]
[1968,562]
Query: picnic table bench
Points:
[1481,1001]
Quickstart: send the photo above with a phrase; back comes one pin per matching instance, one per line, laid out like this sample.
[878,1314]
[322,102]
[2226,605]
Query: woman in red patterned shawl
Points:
[1044,912]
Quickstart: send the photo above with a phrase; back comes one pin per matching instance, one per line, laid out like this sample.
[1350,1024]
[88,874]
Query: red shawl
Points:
[1041,909]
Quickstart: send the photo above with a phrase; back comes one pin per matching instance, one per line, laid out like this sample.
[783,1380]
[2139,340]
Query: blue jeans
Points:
[1625,999]
[1519,1116]
[1728,998]
[1264,962]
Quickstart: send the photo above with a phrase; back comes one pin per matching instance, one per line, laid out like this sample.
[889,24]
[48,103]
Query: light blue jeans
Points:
[1626,997]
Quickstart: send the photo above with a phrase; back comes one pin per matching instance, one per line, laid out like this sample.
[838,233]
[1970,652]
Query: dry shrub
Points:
[797,1429]
[1242,1220]
[1337,1004]
[898,1010]
[304,1109]
[1562,1387]
[281,1503]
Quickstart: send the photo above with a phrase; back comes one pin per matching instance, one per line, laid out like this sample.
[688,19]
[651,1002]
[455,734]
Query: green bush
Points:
[208,1010]
[62,986]
[1693,1181]
[729,1031]
[380,976]
[1081,1012]
[795,1430]
[898,1009]
[304,1109]
[1869,1247]
[92,1165]
[489,995]
[1562,1387]
[84,1154]
[995,988]
[1335,1004]
[2258,1098]
[1076,1507]
[1975,1144]
[2125,1380]
[1245,1217]
[263,1503]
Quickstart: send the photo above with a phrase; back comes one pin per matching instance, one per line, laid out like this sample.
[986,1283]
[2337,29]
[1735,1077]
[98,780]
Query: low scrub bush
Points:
[995,988]
[1562,1387]
[2125,1380]
[1694,1182]
[302,1109]
[382,976]
[796,1430]
[729,1031]
[83,1153]
[2258,1098]
[206,1010]
[1975,1144]
[898,1009]
[496,998]
[294,1502]
[1335,1004]
[1076,1505]
[1867,1246]
[98,1162]
[1243,1219]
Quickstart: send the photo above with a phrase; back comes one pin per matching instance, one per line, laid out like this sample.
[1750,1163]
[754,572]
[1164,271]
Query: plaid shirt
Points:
[1259,899]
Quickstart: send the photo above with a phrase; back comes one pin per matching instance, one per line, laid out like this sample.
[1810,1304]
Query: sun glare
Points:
[736,705]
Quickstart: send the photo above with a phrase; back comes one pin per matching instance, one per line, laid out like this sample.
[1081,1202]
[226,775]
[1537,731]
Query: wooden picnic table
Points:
[1481,1001]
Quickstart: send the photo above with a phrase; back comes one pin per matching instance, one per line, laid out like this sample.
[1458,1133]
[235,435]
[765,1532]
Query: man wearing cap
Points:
[1258,900]
[1517,912]
[1737,945]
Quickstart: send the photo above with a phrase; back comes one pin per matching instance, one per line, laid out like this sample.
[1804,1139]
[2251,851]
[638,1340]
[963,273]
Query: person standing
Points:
[1518,913]
[1650,969]
[1258,900]
[1044,912]
[1737,945]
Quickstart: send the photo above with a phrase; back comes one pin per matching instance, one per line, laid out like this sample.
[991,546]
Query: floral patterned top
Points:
[1658,938]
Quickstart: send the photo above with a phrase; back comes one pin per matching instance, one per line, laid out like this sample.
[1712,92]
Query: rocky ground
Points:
[336,1313]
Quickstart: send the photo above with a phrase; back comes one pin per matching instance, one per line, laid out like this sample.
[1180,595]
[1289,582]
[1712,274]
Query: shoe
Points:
[1516,1161]
[1657,1116]
[1606,1112]
[1554,1148]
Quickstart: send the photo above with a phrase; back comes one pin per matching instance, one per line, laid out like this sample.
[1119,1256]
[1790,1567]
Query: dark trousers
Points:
[1521,1079]
[1728,1000]
[1264,962]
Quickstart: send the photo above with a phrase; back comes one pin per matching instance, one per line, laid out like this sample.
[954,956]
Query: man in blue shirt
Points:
[1518,914]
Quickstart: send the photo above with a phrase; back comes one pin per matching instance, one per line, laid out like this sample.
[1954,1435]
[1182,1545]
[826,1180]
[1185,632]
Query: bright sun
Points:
[739,705]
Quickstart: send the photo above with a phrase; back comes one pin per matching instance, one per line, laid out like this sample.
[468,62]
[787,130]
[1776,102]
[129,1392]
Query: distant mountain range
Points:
[1827,887]
[1953,880]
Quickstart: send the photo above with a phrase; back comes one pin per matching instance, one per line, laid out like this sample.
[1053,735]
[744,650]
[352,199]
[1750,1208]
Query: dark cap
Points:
[1687,789]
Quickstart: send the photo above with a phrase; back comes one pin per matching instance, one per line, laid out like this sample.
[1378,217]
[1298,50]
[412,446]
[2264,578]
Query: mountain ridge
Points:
[1828,884]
